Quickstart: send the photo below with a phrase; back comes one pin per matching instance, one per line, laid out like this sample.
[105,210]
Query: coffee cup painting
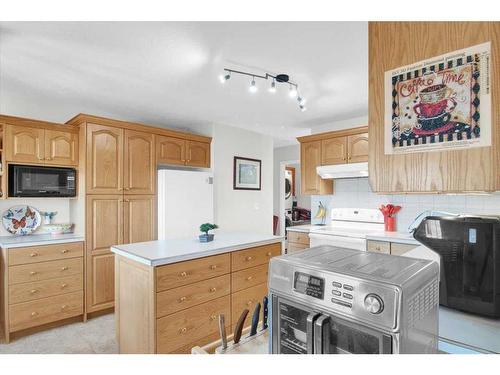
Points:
[441,103]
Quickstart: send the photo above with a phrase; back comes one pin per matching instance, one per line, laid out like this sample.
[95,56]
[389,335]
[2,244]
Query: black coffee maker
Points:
[469,247]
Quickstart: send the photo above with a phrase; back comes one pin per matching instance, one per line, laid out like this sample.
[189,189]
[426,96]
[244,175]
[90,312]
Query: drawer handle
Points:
[182,299]
[33,291]
[34,313]
[213,290]
[33,273]
[213,317]
[248,259]
[64,268]
[377,248]
[183,330]
[183,274]
[65,251]
[213,266]
[63,285]
[249,278]
[33,255]
[269,254]
[249,303]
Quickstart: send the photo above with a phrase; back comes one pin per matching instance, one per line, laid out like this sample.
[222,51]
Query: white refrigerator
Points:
[185,201]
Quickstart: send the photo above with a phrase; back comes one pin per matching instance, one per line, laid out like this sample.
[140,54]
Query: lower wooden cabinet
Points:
[387,247]
[247,299]
[297,241]
[100,282]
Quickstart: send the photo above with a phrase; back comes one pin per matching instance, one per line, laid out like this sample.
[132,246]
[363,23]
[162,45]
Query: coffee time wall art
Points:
[440,103]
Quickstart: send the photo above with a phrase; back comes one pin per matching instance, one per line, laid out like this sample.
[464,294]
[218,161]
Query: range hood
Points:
[352,170]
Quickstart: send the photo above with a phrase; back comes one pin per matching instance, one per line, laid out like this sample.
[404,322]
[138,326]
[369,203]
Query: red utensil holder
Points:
[390,224]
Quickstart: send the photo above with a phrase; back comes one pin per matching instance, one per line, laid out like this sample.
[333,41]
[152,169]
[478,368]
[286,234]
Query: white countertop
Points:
[10,242]
[156,253]
[306,228]
[399,237]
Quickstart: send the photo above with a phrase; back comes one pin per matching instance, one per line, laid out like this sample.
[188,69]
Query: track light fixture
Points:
[280,78]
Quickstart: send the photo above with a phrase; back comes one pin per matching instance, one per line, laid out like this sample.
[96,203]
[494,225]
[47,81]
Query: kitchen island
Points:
[169,293]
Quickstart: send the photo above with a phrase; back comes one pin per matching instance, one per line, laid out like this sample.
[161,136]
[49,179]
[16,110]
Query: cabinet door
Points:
[198,154]
[310,158]
[357,148]
[24,144]
[139,163]
[104,229]
[334,151]
[104,160]
[61,148]
[170,150]
[139,218]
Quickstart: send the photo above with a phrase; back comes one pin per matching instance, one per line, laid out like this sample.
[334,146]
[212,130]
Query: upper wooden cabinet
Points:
[334,151]
[170,150]
[310,158]
[139,163]
[357,148]
[38,145]
[104,172]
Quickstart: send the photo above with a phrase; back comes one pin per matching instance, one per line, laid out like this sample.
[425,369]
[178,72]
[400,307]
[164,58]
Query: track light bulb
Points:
[302,108]
[301,100]
[224,78]
[272,89]
[253,86]
[292,92]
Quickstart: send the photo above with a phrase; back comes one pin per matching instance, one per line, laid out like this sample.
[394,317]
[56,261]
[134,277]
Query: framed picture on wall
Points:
[246,174]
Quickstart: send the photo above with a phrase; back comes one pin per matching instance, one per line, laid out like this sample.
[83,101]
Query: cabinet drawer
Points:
[35,254]
[186,327]
[249,277]
[298,237]
[379,247]
[401,248]
[173,300]
[295,247]
[44,271]
[47,288]
[247,299]
[29,314]
[254,256]
[183,273]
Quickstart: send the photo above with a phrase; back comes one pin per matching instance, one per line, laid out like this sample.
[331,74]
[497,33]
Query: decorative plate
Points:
[21,220]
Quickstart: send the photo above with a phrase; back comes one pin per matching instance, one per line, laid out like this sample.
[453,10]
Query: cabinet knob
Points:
[183,330]
[33,255]
[33,291]
[182,299]
[33,273]
[48,158]
[377,248]
[213,290]
[249,278]
[127,189]
[213,266]
[213,317]
[64,307]
[64,285]
[65,251]
[64,268]
[34,313]
[249,303]
[248,259]
[269,254]
[183,274]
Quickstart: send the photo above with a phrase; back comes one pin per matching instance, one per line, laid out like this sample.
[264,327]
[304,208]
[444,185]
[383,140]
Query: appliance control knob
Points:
[374,303]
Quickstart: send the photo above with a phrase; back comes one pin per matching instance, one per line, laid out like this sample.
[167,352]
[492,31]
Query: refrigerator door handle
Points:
[310,331]
[322,335]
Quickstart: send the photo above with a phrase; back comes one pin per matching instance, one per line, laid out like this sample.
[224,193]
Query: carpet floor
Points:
[96,336]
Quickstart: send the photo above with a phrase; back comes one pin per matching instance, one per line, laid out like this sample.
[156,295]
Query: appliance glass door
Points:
[31,181]
[334,335]
[339,241]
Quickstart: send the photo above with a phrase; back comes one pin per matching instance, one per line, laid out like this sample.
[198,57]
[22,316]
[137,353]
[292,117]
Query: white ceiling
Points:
[166,73]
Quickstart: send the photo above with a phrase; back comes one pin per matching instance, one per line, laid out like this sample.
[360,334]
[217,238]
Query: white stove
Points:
[348,228]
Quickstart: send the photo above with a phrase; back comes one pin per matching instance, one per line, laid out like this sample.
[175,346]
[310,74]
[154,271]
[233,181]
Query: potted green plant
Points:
[206,237]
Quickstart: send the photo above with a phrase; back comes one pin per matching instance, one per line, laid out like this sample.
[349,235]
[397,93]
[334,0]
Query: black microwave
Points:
[36,181]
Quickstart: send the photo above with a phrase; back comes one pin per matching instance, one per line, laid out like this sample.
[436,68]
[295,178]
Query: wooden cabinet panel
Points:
[334,151]
[183,273]
[176,330]
[61,148]
[247,299]
[295,247]
[198,154]
[139,163]
[254,256]
[249,277]
[170,150]
[30,314]
[104,173]
[104,221]
[24,144]
[42,289]
[173,300]
[139,218]
[101,286]
[310,158]
[36,254]
[45,270]
[357,148]
[401,248]
[379,247]
[298,237]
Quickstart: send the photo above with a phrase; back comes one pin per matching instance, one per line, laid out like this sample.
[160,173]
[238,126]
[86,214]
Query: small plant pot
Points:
[206,237]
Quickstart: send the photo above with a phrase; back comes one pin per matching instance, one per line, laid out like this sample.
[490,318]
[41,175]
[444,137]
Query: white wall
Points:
[61,205]
[242,210]
[354,122]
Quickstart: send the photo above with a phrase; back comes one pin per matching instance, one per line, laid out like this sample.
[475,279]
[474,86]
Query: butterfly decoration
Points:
[21,220]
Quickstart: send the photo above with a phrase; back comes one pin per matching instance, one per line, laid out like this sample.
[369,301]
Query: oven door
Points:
[333,335]
[339,241]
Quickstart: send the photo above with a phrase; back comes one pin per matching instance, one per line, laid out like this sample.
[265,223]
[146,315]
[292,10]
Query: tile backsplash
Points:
[356,193]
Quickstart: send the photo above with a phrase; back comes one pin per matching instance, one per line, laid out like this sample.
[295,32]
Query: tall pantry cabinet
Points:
[120,200]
